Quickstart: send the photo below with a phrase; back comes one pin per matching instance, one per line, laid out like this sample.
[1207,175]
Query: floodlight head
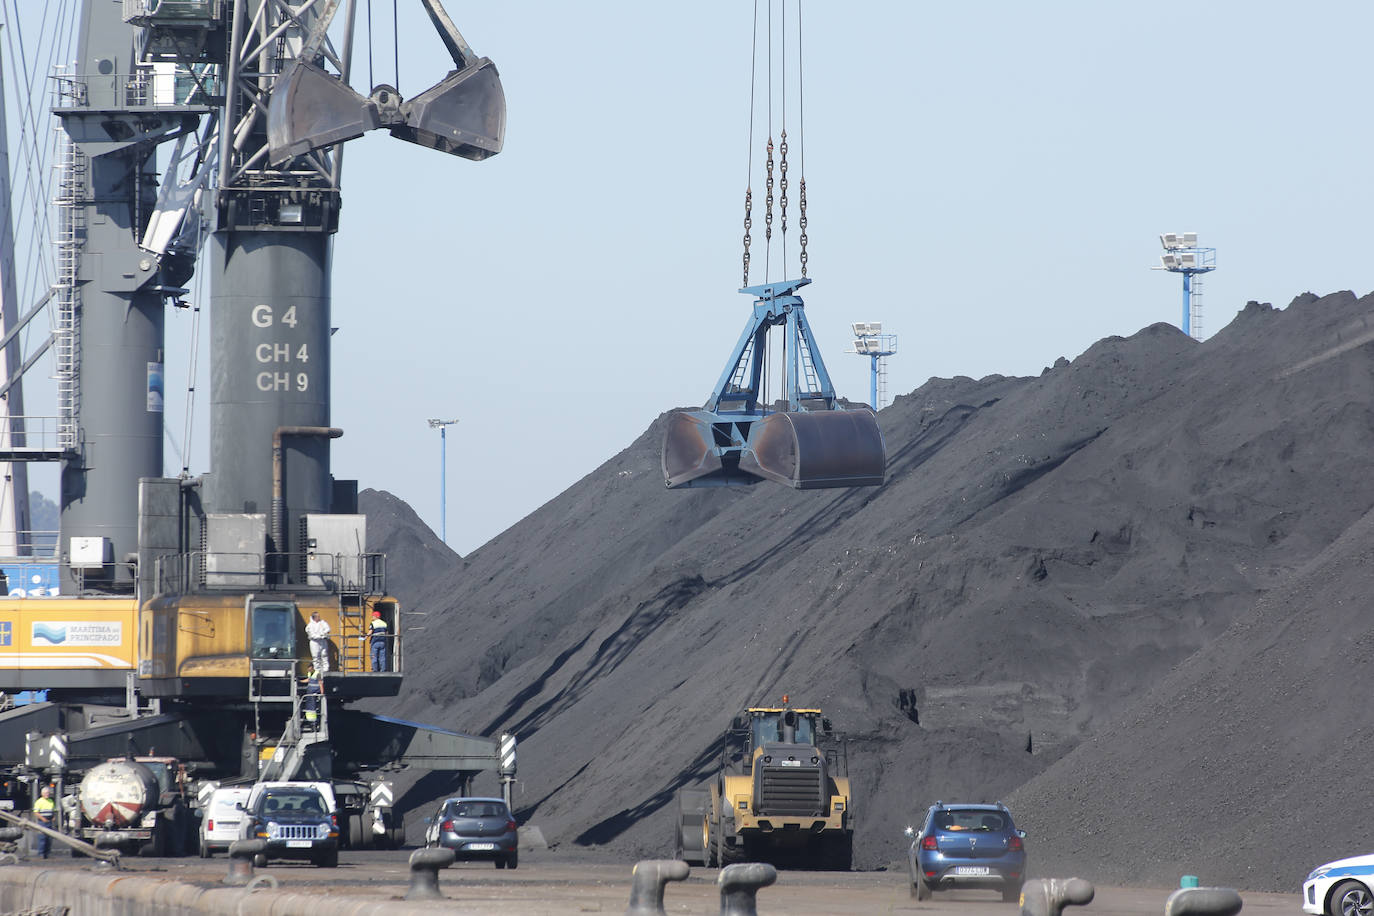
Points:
[437,424]
[1190,240]
[860,328]
[1169,240]
[1170,261]
[1187,261]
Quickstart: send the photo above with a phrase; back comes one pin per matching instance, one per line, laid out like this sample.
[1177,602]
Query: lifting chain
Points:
[801,223]
[748,224]
[782,186]
[768,201]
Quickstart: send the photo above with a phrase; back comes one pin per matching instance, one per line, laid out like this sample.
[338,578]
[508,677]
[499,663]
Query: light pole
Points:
[1183,256]
[442,426]
[870,341]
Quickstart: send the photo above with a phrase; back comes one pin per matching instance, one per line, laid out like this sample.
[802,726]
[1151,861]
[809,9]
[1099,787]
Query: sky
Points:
[987,179]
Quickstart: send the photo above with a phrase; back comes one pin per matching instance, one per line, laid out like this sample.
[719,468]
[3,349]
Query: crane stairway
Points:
[303,751]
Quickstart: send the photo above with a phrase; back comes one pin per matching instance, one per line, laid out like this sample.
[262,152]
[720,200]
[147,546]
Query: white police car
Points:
[1340,888]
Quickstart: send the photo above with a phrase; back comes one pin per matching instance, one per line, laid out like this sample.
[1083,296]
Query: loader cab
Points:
[272,629]
[760,727]
[785,726]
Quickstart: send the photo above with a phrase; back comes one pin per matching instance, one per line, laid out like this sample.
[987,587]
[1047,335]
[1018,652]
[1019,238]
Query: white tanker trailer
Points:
[137,804]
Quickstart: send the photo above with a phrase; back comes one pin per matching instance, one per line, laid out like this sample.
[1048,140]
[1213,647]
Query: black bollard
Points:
[424,872]
[649,879]
[1049,896]
[740,883]
[1203,901]
[241,853]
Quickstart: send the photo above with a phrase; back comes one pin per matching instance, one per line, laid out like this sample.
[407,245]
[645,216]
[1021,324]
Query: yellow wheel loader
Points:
[781,795]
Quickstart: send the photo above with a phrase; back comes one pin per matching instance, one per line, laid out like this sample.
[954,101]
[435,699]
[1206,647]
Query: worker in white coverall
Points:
[318,631]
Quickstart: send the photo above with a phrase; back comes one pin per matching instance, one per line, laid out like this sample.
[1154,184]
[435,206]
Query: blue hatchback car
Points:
[967,846]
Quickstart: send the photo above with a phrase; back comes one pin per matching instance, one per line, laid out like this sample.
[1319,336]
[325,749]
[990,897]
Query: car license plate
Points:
[972,870]
[481,847]
[297,844]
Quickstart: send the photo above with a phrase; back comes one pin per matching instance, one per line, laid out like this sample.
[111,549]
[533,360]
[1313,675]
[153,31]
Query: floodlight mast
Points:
[442,426]
[870,341]
[1183,256]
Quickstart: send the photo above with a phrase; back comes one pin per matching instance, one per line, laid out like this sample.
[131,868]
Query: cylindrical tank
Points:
[270,348]
[115,394]
[118,793]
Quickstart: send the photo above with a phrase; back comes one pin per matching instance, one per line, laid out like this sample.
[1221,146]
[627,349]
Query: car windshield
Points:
[958,819]
[477,809]
[292,802]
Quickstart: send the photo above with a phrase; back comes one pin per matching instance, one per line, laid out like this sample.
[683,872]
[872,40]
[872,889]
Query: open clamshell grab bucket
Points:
[465,114]
[733,441]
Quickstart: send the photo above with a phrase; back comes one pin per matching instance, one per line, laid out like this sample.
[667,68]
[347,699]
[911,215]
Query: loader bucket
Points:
[309,109]
[689,459]
[812,450]
[464,115]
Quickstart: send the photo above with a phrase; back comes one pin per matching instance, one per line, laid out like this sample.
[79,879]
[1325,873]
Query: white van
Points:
[219,823]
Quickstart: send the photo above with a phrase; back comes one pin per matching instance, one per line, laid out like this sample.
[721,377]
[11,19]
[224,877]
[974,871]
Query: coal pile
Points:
[1123,596]
[414,555]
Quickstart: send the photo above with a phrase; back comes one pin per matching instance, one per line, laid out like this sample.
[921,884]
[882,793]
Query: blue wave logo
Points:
[53,634]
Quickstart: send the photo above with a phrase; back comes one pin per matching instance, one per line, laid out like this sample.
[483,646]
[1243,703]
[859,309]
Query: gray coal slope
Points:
[1041,569]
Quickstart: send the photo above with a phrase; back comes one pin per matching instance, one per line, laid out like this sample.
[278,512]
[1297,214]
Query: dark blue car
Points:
[967,846]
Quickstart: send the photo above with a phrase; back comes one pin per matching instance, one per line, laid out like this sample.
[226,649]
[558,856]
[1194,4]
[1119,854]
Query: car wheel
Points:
[920,890]
[1011,893]
[205,851]
[328,859]
[1351,898]
[513,860]
[499,862]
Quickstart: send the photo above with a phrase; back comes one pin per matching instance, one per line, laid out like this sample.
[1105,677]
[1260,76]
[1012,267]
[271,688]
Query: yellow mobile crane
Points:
[171,619]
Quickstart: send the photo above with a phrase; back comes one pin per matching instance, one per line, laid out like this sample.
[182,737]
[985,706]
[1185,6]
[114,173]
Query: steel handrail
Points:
[109,856]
